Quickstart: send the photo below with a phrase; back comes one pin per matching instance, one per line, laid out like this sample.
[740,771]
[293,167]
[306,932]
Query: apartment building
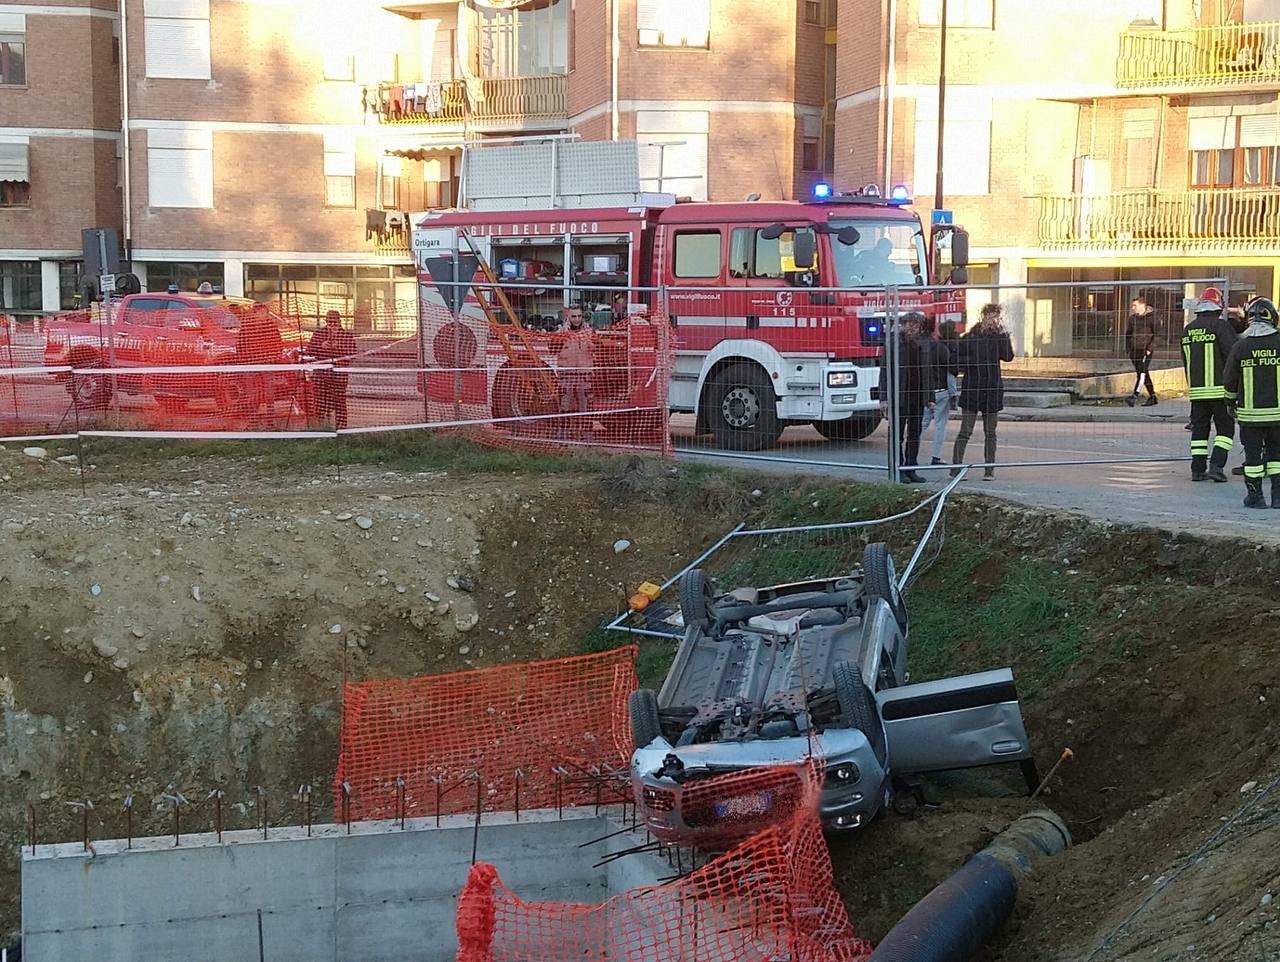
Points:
[279,147]
[1090,142]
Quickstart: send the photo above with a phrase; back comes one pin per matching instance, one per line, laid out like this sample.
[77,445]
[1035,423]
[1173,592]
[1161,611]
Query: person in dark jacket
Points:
[1206,343]
[981,352]
[915,391]
[332,342]
[1139,343]
[1251,387]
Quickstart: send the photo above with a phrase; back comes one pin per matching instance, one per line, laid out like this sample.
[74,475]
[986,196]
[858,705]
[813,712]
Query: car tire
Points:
[857,428]
[697,598]
[90,393]
[743,409]
[858,706]
[642,706]
[879,580]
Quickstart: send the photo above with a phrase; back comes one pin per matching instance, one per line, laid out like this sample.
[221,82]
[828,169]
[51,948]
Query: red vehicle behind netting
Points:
[771,897]
[546,734]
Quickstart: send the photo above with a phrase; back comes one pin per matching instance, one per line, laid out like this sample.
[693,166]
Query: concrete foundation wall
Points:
[378,893]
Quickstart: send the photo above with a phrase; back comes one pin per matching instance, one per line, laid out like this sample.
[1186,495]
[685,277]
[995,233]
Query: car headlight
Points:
[841,379]
[845,773]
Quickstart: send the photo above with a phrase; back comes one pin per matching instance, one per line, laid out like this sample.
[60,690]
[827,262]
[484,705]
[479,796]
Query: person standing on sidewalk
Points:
[982,351]
[1206,343]
[915,393]
[940,365]
[1251,383]
[1139,343]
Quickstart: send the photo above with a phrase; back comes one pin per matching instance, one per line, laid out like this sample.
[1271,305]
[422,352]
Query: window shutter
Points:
[13,161]
[339,155]
[177,48]
[649,14]
[13,22]
[1260,130]
[180,168]
[1211,133]
[177,9]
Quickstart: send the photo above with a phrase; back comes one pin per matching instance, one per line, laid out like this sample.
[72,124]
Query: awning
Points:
[13,160]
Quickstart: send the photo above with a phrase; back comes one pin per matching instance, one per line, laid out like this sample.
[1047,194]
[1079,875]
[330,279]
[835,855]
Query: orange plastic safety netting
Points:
[155,366]
[770,897]
[539,735]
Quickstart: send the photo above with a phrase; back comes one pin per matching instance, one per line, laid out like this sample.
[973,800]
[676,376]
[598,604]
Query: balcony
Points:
[500,101]
[1238,220]
[1232,55]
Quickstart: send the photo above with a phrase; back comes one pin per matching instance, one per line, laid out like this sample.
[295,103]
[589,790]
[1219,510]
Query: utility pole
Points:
[942,127]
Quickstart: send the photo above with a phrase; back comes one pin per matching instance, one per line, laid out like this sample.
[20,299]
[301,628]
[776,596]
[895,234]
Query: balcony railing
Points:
[497,100]
[1231,55]
[1142,220]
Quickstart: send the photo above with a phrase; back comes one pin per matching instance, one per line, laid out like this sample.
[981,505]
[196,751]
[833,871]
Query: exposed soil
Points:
[1169,709]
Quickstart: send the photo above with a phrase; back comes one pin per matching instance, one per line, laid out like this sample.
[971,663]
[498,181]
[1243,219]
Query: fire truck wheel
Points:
[743,409]
[855,428]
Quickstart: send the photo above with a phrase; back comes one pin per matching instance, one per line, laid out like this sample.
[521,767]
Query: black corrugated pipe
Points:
[960,915]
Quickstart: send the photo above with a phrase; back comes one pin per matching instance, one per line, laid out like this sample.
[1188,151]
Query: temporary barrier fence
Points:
[768,556]
[770,897]
[254,374]
[1067,374]
[546,734]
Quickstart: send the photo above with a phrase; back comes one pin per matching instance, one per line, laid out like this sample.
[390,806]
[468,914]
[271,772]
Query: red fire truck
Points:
[776,309]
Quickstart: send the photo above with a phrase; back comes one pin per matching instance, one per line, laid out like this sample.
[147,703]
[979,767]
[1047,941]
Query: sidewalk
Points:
[1173,410]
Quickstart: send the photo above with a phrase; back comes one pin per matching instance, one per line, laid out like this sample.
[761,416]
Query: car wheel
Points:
[742,409]
[879,580]
[858,706]
[642,706]
[697,599]
[856,428]
[89,392]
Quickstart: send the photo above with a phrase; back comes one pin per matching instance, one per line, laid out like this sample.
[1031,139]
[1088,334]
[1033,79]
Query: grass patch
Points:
[975,610]
[403,450]
[652,662]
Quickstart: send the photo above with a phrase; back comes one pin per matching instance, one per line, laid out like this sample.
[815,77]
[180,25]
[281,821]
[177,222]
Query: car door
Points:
[962,722]
[135,329]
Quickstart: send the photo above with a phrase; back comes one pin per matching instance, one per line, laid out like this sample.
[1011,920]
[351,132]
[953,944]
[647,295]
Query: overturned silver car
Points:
[774,676]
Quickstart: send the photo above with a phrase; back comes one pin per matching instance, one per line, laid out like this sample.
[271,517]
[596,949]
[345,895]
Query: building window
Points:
[674,23]
[339,170]
[966,147]
[185,276]
[180,168]
[1139,149]
[810,155]
[339,66]
[369,297]
[697,254]
[439,182]
[15,175]
[390,186]
[21,290]
[177,38]
[527,42]
[814,13]
[976,14]
[13,49]
[70,274]
[673,151]
[1229,151]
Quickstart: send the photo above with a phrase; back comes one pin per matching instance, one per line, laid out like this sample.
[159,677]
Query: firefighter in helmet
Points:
[1251,383]
[1206,342]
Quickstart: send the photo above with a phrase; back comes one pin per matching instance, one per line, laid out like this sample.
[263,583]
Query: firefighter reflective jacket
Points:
[1252,376]
[1206,342]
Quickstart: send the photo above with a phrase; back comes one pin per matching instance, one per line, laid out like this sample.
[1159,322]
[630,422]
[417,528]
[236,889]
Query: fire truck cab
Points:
[776,309]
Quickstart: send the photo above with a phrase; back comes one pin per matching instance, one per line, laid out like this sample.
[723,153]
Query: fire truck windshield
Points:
[887,252]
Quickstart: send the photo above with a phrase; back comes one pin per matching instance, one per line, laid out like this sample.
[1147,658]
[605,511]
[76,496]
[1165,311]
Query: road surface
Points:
[1152,493]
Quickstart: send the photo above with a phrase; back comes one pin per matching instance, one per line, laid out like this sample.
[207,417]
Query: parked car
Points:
[146,331]
[774,676]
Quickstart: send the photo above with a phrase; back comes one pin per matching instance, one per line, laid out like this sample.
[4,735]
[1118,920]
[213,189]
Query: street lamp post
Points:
[942,126]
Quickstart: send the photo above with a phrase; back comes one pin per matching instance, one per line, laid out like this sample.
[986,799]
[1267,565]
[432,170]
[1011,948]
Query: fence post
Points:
[893,375]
